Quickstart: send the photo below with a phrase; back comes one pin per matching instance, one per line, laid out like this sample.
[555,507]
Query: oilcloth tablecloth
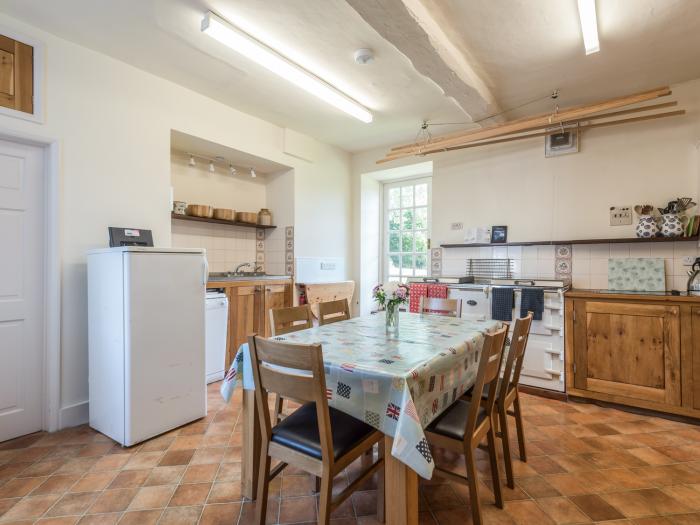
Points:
[396,385]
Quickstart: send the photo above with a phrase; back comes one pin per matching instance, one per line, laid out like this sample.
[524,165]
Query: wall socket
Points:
[620,215]
[456,226]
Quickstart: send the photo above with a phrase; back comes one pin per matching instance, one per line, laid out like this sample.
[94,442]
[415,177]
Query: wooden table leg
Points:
[401,484]
[250,453]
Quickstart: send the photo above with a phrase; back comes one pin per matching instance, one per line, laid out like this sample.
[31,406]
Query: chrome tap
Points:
[242,265]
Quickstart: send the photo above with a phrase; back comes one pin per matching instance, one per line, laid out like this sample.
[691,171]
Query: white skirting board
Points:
[73,415]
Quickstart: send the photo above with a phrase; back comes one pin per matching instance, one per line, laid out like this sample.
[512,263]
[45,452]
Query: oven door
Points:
[543,366]
[475,302]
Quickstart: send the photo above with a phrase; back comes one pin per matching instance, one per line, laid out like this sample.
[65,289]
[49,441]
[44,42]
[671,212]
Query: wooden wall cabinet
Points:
[16,75]
[637,350]
[249,303]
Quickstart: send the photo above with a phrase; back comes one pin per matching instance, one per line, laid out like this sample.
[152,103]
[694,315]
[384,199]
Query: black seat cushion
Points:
[299,431]
[452,421]
[485,391]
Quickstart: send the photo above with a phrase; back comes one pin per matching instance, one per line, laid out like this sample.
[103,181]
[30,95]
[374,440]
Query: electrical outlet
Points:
[456,226]
[620,215]
[689,260]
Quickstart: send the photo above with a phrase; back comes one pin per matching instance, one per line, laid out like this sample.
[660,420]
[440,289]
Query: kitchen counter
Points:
[222,282]
[579,293]
[638,349]
[250,299]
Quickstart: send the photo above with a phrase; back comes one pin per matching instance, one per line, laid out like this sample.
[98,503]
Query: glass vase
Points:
[392,320]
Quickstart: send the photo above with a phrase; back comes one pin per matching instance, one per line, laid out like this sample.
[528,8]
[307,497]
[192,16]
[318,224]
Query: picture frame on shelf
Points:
[499,234]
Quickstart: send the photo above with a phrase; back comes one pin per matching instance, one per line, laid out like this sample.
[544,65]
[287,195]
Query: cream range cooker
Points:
[543,366]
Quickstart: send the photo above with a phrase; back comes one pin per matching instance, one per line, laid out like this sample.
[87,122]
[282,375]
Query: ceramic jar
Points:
[179,207]
[647,227]
[673,225]
[265,217]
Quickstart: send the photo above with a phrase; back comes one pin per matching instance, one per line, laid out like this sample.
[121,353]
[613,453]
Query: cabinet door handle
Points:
[471,302]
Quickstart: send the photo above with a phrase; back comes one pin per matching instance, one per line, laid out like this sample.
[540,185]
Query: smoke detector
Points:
[364,56]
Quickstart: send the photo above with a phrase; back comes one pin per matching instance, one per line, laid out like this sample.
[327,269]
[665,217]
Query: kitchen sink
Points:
[228,276]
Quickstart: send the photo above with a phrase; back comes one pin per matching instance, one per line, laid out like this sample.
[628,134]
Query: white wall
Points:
[112,123]
[370,247]
[559,198]
[197,185]
[279,188]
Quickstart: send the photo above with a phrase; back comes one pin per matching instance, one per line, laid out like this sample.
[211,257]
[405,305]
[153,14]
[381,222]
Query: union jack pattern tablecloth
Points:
[396,385]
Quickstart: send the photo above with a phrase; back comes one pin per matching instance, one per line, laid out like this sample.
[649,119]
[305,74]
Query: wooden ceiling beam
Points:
[580,127]
[530,123]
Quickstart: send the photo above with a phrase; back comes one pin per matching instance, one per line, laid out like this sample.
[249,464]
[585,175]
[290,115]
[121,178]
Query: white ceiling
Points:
[489,55]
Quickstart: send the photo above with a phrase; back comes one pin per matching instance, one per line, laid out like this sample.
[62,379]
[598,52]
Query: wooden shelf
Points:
[220,221]
[577,241]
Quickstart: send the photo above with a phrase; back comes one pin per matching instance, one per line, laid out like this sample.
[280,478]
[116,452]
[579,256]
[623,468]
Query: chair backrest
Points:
[516,354]
[435,306]
[487,375]
[292,319]
[292,371]
[333,311]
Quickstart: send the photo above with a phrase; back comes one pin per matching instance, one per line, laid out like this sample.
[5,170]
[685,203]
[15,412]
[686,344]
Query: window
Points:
[406,229]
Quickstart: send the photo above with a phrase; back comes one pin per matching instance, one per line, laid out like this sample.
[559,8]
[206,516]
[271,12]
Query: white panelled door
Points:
[21,289]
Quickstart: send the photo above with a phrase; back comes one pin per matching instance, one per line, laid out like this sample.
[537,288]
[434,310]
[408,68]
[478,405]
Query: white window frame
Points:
[385,224]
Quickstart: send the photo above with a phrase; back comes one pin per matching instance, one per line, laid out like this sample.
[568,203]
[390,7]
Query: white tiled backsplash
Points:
[275,251]
[226,247]
[589,262]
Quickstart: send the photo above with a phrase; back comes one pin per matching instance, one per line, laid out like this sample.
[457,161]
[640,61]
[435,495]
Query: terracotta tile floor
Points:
[586,464]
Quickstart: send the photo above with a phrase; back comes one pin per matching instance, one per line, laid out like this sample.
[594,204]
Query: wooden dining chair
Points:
[507,394]
[285,321]
[435,306]
[317,439]
[333,311]
[462,427]
[292,319]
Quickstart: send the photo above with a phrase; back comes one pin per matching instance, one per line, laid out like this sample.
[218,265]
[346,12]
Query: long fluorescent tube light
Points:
[589,25]
[219,29]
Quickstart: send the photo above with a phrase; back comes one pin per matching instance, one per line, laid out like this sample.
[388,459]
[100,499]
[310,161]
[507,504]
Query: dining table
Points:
[397,383]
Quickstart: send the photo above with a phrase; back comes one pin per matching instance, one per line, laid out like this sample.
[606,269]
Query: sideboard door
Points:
[629,350]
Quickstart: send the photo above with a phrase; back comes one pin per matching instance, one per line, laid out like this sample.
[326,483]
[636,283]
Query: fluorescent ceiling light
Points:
[219,29]
[589,25]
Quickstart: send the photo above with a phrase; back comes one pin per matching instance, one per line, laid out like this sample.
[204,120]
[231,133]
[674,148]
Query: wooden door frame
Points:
[38,76]
[51,358]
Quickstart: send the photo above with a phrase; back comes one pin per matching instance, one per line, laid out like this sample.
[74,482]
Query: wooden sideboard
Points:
[636,350]
[249,303]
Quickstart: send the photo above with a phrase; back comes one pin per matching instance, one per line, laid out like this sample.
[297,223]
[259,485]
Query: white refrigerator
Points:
[146,340]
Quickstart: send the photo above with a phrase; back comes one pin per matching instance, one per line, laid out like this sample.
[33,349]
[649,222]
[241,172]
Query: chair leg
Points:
[503,418]
[473,482]
[519,427]
[279,402]
[493,458]
[324,507]
[381,517]
[263,487]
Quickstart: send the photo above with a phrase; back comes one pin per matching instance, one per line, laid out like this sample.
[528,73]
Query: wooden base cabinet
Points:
[634,350]
[249,305]
[695,393]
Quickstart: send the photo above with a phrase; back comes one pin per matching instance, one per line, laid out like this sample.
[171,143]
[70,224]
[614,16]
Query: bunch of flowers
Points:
[390,295]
